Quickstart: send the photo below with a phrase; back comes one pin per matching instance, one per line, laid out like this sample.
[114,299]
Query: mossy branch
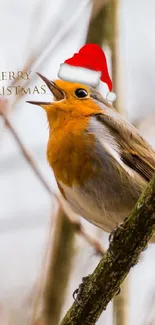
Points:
[129,241]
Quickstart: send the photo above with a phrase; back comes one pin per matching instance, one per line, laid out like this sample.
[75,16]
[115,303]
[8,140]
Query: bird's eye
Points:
[81,93]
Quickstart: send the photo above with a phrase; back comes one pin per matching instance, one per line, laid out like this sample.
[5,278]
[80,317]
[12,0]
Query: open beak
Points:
[55,90]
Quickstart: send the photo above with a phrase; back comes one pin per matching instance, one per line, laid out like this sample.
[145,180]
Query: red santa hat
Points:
[88,66]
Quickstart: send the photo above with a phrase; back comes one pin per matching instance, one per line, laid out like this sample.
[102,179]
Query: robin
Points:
[100,161]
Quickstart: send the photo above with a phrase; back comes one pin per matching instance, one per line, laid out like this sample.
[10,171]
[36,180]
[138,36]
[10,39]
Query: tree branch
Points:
[120,305]
[57,272]
[59,269]
[96,31]
[129,241]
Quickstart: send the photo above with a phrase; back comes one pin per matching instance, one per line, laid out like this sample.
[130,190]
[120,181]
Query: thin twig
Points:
[31,39]
[26,153]
[38,59]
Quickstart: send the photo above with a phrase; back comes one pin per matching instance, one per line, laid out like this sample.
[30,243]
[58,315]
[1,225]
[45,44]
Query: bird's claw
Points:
[112,234]
[77,294]
[118,292]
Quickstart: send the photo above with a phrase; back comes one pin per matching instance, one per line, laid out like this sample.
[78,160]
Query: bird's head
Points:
[71,100]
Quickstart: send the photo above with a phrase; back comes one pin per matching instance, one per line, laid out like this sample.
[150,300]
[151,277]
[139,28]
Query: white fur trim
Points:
[111,97]
[79,74]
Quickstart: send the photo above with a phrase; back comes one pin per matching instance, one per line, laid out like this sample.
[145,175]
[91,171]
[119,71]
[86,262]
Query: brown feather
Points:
[135,151]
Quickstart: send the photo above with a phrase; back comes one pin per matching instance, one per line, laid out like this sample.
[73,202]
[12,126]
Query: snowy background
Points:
[25,208]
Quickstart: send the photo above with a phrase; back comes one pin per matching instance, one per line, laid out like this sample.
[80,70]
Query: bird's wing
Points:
[134,150]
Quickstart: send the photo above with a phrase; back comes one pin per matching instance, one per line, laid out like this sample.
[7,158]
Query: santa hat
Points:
[88,66]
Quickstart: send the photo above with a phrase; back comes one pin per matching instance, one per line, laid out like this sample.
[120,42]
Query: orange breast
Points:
[68,152]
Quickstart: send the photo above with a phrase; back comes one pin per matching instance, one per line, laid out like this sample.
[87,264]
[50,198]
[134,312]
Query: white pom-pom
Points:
[111,97]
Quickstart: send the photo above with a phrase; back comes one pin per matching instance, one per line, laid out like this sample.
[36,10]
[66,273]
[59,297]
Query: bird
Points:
[100,161]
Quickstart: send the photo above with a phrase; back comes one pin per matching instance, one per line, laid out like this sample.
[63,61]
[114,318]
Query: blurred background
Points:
[39,36]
